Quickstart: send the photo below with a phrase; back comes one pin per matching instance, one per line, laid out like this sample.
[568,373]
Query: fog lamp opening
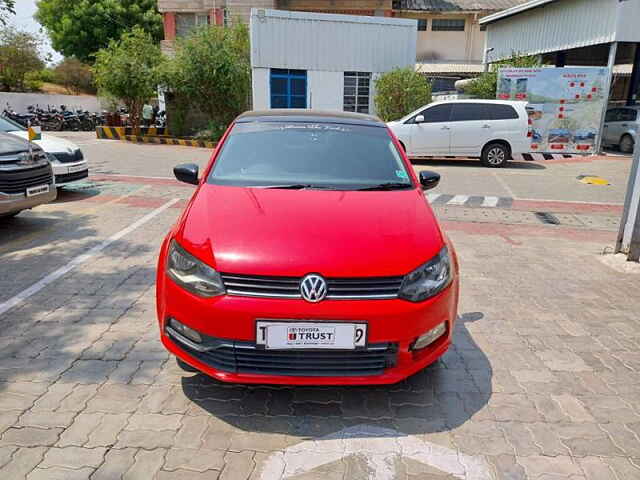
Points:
[182,329]
[429,337]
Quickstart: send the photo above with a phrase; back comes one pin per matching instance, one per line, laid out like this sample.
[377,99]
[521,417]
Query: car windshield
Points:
[7,125]
[310,155]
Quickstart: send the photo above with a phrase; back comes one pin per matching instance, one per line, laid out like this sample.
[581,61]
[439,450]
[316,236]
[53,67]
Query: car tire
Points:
[495,155]
[186,367]
[627,144]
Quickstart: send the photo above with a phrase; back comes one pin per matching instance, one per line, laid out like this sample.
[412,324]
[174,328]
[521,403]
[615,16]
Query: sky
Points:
[23,19]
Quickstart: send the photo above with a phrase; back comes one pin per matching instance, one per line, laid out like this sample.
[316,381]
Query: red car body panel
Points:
[277,232]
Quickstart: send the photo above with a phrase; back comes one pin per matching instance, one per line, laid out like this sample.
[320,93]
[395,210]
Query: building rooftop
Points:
[456,5]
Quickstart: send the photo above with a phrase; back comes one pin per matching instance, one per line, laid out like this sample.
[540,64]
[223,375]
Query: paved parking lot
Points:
[543,380]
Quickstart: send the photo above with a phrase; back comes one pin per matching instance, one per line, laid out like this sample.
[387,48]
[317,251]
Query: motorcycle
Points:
[24,119]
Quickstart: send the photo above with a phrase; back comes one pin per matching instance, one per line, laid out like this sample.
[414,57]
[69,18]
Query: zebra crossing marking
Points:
[477,201]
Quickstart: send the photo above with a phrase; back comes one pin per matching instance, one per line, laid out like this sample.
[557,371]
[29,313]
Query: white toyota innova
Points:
[492,130]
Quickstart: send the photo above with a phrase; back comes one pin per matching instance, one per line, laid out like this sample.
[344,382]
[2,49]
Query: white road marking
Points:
[458,200]
[379,447]
[56,274]
[432,197]
[489,202]
[504,185]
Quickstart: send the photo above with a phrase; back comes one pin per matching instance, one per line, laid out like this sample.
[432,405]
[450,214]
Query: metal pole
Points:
[613,49]
[634,83]
[630,208]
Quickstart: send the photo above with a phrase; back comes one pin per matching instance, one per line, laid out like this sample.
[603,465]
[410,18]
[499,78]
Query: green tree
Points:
[128,69]
[399,92]
[74,75]
[7,7]
[79,28]
[19,55]
[211,71]
[486,84]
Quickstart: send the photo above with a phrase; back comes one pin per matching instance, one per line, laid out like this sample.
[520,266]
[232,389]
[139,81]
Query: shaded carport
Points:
[579,32]
[572,33]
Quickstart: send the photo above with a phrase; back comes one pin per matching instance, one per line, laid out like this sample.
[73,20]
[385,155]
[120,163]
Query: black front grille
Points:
[289,287]
[65,157]
[70,177]
[18,181]
[244,357]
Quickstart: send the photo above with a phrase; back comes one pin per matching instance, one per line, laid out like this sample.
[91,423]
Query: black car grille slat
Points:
[245,357]
[70,177]
[18,181]
[289,287]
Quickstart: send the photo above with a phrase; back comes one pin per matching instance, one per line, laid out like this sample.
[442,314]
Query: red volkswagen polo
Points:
[307,255]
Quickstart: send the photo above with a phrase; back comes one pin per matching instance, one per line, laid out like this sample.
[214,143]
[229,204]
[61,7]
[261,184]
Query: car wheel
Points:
[495,155]
[186,367]
[626,144]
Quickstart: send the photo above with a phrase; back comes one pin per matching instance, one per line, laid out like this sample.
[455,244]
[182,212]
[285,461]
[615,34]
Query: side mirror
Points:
[419,119]
[429,179]
[187,173]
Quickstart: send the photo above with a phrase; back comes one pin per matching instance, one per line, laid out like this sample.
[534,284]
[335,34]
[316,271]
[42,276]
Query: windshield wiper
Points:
[292,186]
[387,186]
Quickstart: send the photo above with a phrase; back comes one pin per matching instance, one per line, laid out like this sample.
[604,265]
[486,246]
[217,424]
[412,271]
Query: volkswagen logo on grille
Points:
[313,288]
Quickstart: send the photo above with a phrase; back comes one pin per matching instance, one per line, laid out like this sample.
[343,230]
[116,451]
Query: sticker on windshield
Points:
[402,174]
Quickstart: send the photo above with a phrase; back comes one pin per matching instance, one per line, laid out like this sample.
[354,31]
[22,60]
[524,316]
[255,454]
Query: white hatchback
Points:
[492,130]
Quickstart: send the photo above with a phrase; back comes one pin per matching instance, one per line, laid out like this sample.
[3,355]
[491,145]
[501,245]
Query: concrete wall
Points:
[20,101]
[448,46]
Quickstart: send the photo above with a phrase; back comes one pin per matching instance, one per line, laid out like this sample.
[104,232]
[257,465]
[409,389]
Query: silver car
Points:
[26,176]
[621,128]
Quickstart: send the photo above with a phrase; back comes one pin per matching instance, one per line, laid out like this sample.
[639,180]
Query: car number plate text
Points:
[310,335]
[39,190]
[77,168]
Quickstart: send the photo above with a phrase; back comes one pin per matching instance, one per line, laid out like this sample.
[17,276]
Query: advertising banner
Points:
[564,104]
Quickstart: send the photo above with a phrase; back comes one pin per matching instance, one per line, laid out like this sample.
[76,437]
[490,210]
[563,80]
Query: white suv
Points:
[492,130]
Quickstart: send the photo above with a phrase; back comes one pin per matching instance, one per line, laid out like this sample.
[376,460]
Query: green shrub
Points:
[400,92]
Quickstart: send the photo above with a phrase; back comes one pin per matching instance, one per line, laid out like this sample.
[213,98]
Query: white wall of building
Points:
[325,90]
[628,29]
[20,101]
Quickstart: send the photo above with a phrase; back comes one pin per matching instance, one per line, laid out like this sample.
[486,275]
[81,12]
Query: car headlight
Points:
[428,279]
[52,158]
[192,274]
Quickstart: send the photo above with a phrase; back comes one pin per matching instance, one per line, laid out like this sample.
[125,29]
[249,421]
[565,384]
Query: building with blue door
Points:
[325,61]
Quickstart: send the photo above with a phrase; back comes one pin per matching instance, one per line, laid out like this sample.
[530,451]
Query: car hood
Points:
[294,232]
[49,143]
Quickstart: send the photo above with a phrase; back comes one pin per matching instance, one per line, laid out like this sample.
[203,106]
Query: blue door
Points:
[288,88]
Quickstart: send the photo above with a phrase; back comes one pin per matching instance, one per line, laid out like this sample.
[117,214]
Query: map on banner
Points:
[564,104]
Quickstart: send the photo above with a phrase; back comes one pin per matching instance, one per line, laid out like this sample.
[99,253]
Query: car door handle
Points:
[486,126]
[445,128]
[625,124]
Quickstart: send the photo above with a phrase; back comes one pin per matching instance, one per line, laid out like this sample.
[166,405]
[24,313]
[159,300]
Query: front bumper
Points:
[69,172]
[395,323]
[16,202]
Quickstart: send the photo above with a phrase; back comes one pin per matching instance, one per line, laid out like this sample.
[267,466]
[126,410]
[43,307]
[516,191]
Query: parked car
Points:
[308,254]
[492,130]
[26,178]
[69,164]
[621,128]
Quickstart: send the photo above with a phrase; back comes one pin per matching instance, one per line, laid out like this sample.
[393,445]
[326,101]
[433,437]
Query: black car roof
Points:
[314,116]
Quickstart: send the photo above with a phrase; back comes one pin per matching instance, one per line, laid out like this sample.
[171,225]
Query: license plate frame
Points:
[37,190]
[77,168]
[347,335]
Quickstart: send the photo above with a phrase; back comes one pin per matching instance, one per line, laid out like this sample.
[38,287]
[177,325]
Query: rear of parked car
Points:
[621,128]
[492,130]
[26,177]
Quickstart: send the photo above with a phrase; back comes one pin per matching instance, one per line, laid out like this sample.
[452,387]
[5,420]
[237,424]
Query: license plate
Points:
[77,168]
[311,335]
[39,190]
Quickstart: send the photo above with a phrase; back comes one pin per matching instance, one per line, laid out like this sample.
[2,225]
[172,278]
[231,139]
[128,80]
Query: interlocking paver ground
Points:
[542,382]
